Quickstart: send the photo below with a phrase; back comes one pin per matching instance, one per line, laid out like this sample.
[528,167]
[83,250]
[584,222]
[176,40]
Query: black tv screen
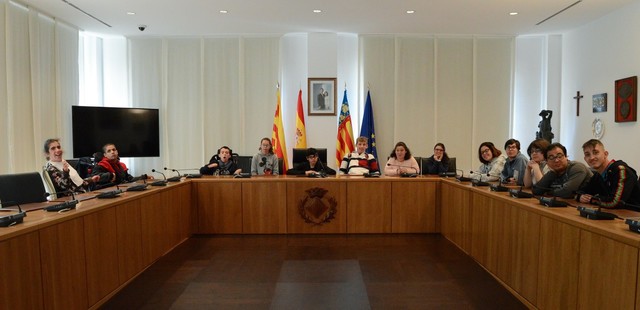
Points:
[134,131]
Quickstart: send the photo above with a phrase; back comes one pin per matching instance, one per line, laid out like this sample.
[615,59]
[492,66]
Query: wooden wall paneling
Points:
[171,204]
[414,207]
[559,258]
[297,195]
[153,213]
[129,236]
[219,207]
[264,207]
[368,206]
[21,279]
[526,255]
[64,275]
[455,215]
[501,240]
[608,272]
[185,201]
[480,218]
[101,249]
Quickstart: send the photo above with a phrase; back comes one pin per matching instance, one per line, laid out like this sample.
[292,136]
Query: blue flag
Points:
[367,129]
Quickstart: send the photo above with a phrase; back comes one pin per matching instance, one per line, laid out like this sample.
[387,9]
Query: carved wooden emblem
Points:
[317,209]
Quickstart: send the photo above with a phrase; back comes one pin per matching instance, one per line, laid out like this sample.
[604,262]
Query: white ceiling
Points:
[202,17]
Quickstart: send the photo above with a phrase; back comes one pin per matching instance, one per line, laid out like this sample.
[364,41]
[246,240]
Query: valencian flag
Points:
[344,145]
[367,129]
[277,137]
[301,130]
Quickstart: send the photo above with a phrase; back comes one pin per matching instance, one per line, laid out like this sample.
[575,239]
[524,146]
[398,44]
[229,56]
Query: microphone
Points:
[498,187]
[596,214]
[110,194]
[188,175]
[13,219]
[159,182]
[478,181]
[404,174]
[461,177]
[551,202]
[322,173]
[176,178]
[64,206]
[518,193]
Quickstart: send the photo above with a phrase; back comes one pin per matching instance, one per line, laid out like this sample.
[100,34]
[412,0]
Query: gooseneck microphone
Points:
[405,174]
[12,219]
[187,175]
[159,182]
[63,206]
[176,178]
[461,177]
[478,181]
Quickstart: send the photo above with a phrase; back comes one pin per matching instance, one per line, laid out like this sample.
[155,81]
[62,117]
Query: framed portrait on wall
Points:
[322,96]
[626,99]
[599,102]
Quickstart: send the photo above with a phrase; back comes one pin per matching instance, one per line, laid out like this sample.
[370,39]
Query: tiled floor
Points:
[315,272]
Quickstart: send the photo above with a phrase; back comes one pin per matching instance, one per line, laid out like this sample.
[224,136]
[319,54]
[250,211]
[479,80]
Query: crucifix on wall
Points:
[577,98]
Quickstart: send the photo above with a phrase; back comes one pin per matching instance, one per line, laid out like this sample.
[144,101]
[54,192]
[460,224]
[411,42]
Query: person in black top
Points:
[313,165]
[438,162]
[221,164]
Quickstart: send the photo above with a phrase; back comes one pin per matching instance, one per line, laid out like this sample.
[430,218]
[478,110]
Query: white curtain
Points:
[37,86]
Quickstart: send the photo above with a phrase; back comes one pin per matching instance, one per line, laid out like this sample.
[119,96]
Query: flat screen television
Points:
[134,131]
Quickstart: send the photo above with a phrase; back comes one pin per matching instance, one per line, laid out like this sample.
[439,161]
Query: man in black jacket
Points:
[615,185]
[312,166]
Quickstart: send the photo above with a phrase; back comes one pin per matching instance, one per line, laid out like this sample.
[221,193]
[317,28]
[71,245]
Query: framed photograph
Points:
[599,103]
[322,96]
[626,99]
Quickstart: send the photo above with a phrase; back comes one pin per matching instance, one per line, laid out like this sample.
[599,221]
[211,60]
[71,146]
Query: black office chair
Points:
[423,163]
[300,155]
[244,163]
[22,188]
[452,164]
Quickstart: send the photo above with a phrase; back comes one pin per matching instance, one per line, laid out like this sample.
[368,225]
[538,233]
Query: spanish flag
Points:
[344,145]
[301,129]
[277,137]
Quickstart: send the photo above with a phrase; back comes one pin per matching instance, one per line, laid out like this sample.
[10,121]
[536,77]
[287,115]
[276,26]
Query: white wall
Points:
[594,57]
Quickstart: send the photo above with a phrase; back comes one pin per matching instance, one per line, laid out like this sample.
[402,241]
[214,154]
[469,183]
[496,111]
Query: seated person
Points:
[516,164]
[265,162]
[565,177]
[110,170]
[438,162]
[221,164]
[400,161]
[492,161]
[613,184]
[537,166]
[312,166]
[359,162]
[64,177]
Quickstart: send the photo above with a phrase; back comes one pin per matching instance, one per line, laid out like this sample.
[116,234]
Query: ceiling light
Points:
[131,13]
[410,11]
[224,11]
[317,11]
[513,13]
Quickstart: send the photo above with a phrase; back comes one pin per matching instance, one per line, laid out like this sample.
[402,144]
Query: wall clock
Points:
[597,127]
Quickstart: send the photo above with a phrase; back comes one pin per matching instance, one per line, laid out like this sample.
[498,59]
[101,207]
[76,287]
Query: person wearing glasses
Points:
[438,162]
[614,184]
[566,176]
[312,166]
[265,162]
[537,166]
[492,161]
[513,171]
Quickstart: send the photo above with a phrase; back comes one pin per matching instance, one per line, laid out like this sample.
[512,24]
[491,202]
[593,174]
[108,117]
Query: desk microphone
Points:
[498,187]
[518,193]
[110,194]
[461,177]
[176,178]
[596,214]
[63,206]
[13,219]
[405,174]
[188,175]
[159,182]
[478,181]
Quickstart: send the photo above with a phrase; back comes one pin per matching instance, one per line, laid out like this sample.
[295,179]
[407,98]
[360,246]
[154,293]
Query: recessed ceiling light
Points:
[513,13]
[410,11]
[131,13]
[317,11]
[224,11]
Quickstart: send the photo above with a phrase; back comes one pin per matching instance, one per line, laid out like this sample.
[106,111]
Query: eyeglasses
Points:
[559,156]
[486,151]
[536,151]
[438,150]
[512,147]
[311,156]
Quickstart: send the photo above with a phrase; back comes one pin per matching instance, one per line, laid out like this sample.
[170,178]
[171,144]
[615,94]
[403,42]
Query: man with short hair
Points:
[359,162]
[516,164]
[110,169]
[565,177]
[614,184]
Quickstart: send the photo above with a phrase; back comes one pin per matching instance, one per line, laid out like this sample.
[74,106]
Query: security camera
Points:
[142,27]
